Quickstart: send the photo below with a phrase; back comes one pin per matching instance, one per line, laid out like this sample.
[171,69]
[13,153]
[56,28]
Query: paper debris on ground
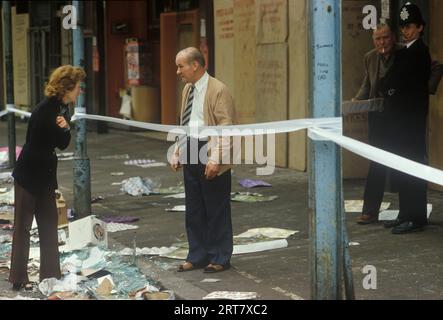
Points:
[169,190]
[5,238]
[159,295]
[230,295]
[6,177]
[357,205]
[179,208]
[96,256]
[210,280]
[113,157]
[115,227]
[51,285]
[154,251]
[249,183]
[117,173]
[145,163]
[137,186]
[119,219]
[352,243]
[7,198]
[3,190]
[273,233]
[18,297]
[6,214]
[260,246]
[176,196]
[388,215]
[251,197]
[105,286]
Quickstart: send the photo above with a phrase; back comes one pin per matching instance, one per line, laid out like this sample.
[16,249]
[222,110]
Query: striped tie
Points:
[186,116]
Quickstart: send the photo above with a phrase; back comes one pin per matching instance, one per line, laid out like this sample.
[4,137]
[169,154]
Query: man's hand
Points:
[175,163]
[61,122]
[212,169]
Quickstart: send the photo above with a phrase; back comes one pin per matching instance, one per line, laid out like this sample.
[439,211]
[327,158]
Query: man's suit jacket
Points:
[370,87]
[218,110]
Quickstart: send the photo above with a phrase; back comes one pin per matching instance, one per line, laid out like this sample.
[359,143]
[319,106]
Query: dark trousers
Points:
[45,210]
[208,215]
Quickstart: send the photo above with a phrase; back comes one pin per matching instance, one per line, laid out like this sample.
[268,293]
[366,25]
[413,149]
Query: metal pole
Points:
[82,172]
[325,178]
[9,69]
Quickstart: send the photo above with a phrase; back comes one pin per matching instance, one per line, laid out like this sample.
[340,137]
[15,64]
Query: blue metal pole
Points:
[325,176]
[7,47]
[82,172]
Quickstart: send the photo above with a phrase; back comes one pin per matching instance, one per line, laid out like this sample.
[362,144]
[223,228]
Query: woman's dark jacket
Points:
[36,167]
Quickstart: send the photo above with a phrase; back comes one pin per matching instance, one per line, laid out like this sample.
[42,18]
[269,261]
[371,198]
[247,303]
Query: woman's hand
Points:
[61,122]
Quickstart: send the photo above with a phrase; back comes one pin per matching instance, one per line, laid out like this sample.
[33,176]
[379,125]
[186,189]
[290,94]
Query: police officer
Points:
[405,88]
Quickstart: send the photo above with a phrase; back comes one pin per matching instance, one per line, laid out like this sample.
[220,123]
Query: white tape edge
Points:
[383,157]
[10,108]
[225,131]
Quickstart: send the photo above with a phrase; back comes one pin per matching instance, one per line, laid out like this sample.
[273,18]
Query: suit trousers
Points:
[45,210]
[208,215]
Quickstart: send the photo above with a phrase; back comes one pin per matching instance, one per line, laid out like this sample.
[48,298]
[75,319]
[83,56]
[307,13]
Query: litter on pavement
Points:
[145,163]
[179,208]
[6,177]
[273,233]
[113,157]
[115,227]
[251,197]
[7,198]
[176,196]
[137,186]
[249,183]
[230,295]
[357,205]
[154,251]
[387,215]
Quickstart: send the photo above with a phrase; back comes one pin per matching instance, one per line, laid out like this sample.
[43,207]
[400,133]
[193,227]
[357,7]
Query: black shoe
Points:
[407,227]
[392,223]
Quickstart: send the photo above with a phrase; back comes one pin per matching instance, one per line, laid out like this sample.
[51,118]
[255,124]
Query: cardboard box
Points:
[87,231]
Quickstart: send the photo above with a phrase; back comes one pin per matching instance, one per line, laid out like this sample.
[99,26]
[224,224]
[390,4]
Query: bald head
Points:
[190,64]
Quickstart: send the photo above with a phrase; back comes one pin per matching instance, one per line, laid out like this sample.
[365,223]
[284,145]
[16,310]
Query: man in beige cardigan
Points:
[206,102]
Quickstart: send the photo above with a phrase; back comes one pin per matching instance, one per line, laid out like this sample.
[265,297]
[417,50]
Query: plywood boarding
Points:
[20,26]
[356,42]
[272,91]
[298,80]
[224,42]
[245,60]
[436,107]
[272,21]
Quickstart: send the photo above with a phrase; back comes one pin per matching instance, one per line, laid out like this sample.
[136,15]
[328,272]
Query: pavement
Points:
[407,266]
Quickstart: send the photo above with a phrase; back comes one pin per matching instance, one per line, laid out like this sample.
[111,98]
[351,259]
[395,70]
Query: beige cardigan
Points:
[218,110]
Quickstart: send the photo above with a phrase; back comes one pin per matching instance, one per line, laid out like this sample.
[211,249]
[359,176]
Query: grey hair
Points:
[193,54]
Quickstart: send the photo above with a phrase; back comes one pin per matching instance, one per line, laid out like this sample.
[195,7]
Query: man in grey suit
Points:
[377,63]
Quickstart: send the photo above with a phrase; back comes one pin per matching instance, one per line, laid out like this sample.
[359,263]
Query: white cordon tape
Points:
[226,131]
[2,113]
[318,129]
[10,108]
[381,156]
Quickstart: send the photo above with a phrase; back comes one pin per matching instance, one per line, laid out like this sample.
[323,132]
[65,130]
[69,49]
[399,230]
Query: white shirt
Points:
[410,43]
[201,86]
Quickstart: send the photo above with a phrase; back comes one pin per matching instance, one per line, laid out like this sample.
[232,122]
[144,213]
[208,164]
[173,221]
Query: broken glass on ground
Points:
[357,205]
[249,183]
[154,251]
[272,233]
[251,197]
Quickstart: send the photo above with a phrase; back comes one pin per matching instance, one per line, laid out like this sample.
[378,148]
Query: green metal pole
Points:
[7,44]
[82,171]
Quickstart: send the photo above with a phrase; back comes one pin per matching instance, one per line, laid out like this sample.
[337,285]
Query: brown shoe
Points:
[213,268]
[187,266]
[367,219]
